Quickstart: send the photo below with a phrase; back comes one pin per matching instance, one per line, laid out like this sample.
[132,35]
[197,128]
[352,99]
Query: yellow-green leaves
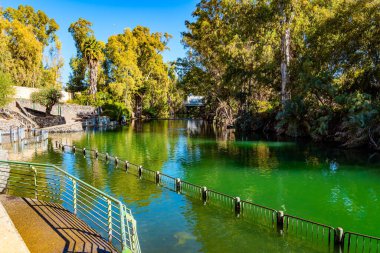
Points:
[25,33]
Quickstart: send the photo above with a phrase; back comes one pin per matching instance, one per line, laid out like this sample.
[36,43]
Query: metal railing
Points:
[107,215]
[309,230]
[355,242]
[285,224]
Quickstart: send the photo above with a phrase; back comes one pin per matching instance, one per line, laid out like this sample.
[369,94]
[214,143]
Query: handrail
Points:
[51,182]
[309,221]
[66,173]
[278,220]
[362,243]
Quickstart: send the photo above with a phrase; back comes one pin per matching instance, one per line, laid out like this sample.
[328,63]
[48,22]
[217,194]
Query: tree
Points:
[300,68]
[90,56]
[6,87]
[42,26]
[93,53]
[47,97]
[137,74]
[80,30]
[30,48]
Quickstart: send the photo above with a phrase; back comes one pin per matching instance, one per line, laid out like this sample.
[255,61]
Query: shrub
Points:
[115,110]
[47,97]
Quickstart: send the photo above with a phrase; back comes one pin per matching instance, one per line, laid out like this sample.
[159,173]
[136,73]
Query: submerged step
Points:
[10,239]
[48,227]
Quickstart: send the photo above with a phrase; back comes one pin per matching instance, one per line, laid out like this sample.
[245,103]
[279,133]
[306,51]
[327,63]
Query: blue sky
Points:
[112,16]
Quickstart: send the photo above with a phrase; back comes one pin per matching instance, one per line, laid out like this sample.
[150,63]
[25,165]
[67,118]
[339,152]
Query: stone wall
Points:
[65,108]
[67,128]
[48,121]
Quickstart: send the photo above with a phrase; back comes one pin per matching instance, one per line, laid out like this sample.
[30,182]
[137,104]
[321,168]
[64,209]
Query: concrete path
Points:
[48,227]
[10,239]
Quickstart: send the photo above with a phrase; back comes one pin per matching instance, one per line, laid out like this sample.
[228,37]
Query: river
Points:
[332,186]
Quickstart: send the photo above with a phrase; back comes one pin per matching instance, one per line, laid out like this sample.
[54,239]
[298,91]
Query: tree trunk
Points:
[48,110]
[93,77]
[285,51]
[138,106]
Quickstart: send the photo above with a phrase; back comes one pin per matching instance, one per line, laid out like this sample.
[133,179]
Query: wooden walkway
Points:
[48,227]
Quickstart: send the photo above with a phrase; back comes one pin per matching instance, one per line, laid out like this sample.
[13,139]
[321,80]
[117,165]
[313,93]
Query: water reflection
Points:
[22,151]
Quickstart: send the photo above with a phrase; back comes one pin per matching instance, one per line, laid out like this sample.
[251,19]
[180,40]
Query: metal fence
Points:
[285,224]
[354,242]
[309,230]
[107,215]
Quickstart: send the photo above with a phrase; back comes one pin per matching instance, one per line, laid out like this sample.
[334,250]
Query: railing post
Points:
[126,166]
[35,182]
[75,196]
[122,228]
[237,206]
[280,221]
[109,220]
[338,239]
[178,185]
[140,171]
[204,194]
[157,177]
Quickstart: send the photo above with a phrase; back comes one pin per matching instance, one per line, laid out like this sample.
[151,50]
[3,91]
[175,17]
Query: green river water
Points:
[331,186]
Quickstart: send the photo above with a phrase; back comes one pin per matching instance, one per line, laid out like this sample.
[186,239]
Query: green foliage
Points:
[30,48]
[292,118]
[47,97]
[115,110]
[237,52]
[43,27]
[99,100]
[85,66]
[360,125]
[137,75]
[6,87]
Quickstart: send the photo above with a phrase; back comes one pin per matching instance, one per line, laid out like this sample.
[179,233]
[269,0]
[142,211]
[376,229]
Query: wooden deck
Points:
[48,227]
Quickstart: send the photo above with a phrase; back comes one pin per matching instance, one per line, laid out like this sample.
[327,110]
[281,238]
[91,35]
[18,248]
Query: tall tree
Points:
[286,18]
[25,36]
[93,53]
[80,31]
[137,73]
